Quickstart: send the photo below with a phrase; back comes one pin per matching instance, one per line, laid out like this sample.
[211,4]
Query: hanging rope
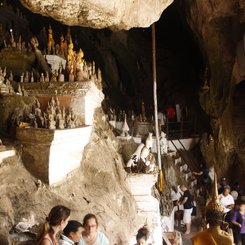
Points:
[160,177]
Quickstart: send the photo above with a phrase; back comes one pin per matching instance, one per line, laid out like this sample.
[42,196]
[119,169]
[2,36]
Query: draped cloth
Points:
[203,238]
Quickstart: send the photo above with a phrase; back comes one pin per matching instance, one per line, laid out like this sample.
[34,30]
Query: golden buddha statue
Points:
[214,235]
[70,57]
[80,55]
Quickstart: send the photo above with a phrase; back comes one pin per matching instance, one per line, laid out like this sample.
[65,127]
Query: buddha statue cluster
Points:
[6,83]
[77,69]
[55,116]
[15,43]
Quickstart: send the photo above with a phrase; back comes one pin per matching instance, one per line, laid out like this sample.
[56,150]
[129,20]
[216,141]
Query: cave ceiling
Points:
[113,14]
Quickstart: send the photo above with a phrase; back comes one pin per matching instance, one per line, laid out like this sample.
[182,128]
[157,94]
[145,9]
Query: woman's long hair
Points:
[56,215]
[143,232]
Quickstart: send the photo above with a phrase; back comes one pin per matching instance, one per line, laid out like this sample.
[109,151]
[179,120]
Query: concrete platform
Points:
[52,154]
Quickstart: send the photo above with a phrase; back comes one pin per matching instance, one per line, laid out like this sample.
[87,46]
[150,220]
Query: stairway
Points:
[184,163]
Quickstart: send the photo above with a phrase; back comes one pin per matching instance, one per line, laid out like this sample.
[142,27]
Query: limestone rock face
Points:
[210,22]
[98,186]
[114,14]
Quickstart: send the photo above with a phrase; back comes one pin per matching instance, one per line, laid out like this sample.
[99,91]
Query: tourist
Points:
[72,233]
[91,235]
[238,221]
[222,184]
[238,189]
[142,236]
[187,201]
[170,111]
[204,180]
[55,223]
[175,195]
[227,201]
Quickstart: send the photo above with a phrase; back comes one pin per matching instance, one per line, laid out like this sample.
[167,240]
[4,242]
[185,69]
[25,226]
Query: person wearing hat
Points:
[227,202]
[222,184]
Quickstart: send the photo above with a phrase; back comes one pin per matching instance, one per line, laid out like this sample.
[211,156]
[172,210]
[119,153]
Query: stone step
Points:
[5,154]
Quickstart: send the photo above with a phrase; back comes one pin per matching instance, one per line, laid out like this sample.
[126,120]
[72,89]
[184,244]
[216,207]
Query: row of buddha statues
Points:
[55,116]
[6,80]
[76,68]
[5,83]
[119,115]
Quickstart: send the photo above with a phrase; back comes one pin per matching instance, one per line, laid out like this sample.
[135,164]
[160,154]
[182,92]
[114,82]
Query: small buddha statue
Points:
[214,235]
[32,78]
[19,90]
[60,121]
[63,46]
[61,76]
[19,44]
[80,65]
[9,86]
[68,121]
[11,39]
[26,77]
[89,66]
[46,79]
[22,77]
[50,41]
[51,122]
[42,79]
[11,77]
[74,121]
[144,119]
[99,77]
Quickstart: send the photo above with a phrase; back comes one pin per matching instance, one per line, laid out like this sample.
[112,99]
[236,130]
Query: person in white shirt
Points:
[227,201]
[72,233]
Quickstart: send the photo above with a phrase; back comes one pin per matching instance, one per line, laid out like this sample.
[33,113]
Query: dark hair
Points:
[56,215]
[242,202]
[72,226]
[88,217]
[214,218]
[143,232]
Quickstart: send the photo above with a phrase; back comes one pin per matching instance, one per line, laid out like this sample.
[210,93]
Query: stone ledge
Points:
[52,154]
[5,154]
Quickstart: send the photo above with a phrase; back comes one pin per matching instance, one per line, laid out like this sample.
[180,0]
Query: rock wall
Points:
[218,29]
[98,187]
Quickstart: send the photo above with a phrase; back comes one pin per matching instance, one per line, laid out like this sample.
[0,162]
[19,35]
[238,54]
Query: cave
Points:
[79,122]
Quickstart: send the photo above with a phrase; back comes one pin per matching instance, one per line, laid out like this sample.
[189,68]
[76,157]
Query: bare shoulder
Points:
[45,241]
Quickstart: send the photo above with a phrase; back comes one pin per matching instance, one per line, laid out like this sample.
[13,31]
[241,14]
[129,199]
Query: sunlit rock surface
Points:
[114,14]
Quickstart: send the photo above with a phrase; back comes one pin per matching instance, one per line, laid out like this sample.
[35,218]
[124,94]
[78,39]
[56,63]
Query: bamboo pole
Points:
[155,97]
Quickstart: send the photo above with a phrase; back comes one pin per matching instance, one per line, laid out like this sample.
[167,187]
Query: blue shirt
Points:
[100,240]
